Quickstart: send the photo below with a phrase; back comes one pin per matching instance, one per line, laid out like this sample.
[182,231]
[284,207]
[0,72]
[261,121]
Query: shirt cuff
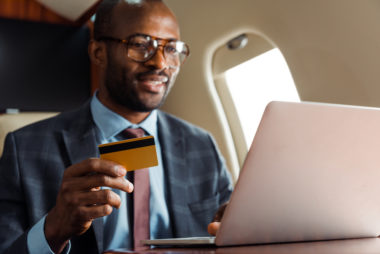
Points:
[36,240]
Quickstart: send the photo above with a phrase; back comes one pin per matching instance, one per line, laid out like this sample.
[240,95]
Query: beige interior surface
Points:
[332,49]
[225,59]
[70,9]
[11,122]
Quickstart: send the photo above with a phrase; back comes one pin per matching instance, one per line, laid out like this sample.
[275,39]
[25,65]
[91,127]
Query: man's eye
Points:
[138,45]
[171,50]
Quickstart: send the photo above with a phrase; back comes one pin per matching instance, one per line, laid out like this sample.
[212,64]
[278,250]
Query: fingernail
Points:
[130,186]
[121,170]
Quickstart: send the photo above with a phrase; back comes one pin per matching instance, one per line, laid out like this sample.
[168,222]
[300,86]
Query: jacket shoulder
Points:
[62,121]
[170,121]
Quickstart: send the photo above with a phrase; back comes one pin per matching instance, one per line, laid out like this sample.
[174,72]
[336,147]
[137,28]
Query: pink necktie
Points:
[141,195]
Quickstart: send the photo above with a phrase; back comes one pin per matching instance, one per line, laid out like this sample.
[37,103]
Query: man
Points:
[50,199]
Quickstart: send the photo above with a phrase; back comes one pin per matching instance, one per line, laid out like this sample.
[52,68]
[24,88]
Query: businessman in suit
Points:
[57,196]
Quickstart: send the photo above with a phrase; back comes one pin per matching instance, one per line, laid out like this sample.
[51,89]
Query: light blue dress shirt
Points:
[116,225]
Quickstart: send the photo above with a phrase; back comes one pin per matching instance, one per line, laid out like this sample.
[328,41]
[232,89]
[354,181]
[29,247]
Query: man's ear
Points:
[97,53]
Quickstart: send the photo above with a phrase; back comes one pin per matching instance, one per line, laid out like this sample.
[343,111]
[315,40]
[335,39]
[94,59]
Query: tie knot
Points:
[133,133]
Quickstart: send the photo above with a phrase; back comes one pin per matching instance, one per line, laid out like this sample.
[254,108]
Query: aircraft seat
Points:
[11,122]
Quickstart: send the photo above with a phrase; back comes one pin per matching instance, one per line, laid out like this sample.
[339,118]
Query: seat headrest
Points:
[11,122]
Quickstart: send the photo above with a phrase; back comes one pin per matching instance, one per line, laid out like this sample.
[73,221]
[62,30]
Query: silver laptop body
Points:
[312,173]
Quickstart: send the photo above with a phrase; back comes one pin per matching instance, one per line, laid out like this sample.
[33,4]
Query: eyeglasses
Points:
[141,47]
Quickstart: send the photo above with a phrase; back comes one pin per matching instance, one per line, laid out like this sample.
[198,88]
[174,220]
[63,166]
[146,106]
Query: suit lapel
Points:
[80,142]
[173,155]
[80,146]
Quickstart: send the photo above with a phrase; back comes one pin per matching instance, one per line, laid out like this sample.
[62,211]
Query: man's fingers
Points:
[213,228]
[95,165]
[88,213]
[101,197]
[119,183]
[92,182]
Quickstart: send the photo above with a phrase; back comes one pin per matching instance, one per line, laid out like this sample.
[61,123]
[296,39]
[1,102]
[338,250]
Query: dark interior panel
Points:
[43,67]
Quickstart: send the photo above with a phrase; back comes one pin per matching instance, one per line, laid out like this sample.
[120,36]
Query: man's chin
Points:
[153,103]
[143,102]
[151,107]
[145,107]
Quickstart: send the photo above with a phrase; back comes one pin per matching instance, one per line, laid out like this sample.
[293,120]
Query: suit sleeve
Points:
[224,180]
[13,213]
[17,232]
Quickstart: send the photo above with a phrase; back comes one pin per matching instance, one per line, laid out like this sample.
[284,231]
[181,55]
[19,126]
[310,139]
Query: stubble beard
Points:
[123,92]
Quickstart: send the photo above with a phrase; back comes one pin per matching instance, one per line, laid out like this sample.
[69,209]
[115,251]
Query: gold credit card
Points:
[134,153]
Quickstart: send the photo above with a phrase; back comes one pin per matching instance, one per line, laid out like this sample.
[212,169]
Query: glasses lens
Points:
[140,48]
[176,52]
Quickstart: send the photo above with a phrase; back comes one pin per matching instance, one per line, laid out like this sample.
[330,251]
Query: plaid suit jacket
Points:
[36,156]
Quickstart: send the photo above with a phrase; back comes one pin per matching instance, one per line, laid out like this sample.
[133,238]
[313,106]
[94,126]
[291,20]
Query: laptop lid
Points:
[312,173]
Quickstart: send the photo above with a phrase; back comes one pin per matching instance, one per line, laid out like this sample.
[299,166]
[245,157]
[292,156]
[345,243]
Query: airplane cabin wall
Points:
[29,10]
[332,48]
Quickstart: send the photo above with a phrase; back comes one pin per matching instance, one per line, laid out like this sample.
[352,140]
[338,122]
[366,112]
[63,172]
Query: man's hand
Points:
[80,199]
[213,227]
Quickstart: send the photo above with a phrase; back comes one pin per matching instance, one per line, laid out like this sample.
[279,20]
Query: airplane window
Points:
[256,82]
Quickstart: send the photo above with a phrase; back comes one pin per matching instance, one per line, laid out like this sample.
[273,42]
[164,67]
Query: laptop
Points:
[312,173]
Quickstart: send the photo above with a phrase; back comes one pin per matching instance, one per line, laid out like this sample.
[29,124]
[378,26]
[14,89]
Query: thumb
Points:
[213,228]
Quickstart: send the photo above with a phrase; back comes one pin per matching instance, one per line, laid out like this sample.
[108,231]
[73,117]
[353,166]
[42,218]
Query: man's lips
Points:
[153,83]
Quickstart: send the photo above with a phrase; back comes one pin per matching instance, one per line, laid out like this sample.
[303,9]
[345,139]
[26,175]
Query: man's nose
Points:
[158,60]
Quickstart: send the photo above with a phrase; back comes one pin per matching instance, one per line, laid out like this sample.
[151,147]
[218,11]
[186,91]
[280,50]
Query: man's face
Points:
[138,86]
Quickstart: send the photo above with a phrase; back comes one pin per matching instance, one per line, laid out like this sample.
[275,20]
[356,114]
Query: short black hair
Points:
[103,18]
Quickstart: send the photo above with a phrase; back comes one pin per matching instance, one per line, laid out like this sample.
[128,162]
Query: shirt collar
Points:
[110,123]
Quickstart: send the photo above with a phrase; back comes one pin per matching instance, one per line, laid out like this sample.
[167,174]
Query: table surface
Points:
[353,246]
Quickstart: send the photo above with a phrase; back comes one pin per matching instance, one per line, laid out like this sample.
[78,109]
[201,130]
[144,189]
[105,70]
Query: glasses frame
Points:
[156,45]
